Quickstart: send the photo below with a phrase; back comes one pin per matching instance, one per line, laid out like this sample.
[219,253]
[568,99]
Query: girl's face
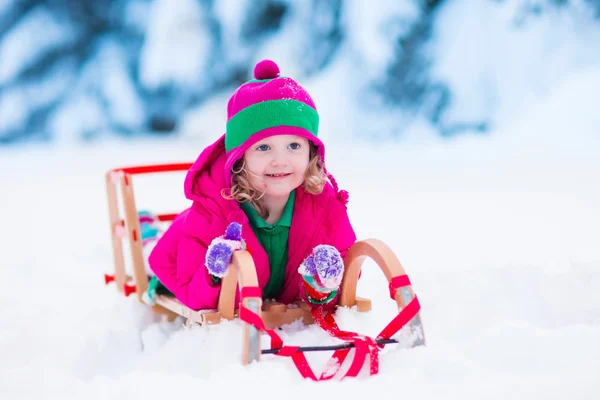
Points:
[277,164]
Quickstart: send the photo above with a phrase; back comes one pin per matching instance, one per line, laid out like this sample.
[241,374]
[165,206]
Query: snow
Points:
[499,234]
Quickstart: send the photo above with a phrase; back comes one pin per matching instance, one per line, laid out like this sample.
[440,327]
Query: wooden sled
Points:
[241,275]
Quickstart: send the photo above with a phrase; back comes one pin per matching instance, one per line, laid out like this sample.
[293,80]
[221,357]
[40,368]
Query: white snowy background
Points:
[500,234]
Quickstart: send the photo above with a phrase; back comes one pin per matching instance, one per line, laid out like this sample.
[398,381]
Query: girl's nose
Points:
[279,159]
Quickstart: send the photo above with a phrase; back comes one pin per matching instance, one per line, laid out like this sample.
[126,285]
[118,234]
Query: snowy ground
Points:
[500,236]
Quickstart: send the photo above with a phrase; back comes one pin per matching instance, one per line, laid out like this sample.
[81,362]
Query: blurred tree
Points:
[79,69]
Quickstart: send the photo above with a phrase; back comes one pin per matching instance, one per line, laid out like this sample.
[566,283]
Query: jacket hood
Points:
[206,179]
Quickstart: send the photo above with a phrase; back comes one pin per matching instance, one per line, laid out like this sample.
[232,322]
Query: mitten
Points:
[221,250]
[322,273]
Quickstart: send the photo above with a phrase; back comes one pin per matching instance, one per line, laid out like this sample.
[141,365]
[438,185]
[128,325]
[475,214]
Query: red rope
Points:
[406,314]
[253,319]
[396,283]
[364,345]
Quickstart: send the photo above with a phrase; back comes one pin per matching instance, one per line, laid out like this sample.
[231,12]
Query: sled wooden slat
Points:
[200,317]
[243,266]
[127,227]
[134,235]
[117,242]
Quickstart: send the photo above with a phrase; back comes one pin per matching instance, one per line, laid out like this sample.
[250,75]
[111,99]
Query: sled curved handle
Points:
[389,264]
[382,255]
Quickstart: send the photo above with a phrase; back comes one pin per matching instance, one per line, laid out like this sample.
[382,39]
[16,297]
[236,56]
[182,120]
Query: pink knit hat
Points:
[265,106]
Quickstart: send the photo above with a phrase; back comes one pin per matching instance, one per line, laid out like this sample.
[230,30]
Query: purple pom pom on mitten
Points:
[329,263]
[218,258]
[308,267]
[325,265]
[220,250]
[234,231]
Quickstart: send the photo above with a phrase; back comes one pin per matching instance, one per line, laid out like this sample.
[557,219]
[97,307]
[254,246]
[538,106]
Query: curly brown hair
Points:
[243,191]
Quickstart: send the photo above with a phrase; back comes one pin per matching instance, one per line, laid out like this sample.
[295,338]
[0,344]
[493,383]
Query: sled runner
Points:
[260,316]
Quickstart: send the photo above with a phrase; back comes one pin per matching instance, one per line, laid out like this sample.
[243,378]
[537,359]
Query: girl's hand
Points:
[322,272]
[220,250]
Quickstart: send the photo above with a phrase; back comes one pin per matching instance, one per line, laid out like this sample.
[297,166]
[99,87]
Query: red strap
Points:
[401,319]
[339,356]
[404,316]
[287,351]
[302,366]
[363,345]
[250,317]
[396,283]
[251,291]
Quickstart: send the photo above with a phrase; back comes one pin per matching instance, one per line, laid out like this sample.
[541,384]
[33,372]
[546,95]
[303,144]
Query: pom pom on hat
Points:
[266,69]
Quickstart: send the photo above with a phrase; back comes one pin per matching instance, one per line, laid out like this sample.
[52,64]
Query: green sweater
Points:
[274,239]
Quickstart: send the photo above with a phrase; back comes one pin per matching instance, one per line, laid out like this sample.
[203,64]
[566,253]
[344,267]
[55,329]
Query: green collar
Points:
[285,220]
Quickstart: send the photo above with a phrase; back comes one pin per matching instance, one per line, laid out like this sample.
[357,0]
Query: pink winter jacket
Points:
[178,259]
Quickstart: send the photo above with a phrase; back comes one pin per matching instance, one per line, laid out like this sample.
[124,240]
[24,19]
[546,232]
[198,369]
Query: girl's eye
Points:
[263,147]
[294,146]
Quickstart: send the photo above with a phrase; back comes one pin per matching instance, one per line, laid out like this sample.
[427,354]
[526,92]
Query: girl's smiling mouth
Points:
[278,175]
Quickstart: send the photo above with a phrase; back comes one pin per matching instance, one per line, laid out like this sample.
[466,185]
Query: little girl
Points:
[262,186]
